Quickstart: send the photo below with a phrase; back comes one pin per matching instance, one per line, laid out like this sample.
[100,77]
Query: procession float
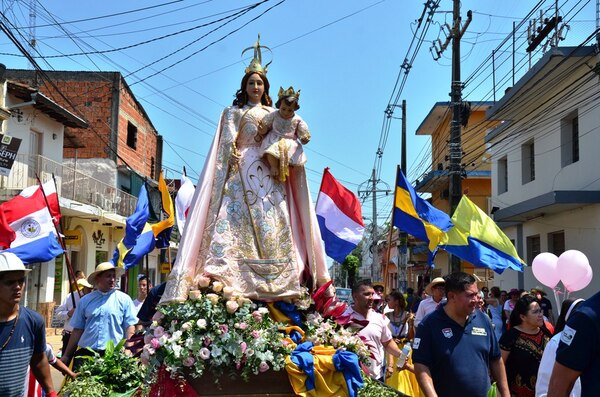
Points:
[249,308]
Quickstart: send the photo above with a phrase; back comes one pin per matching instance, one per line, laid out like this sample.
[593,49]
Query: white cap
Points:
[9,262]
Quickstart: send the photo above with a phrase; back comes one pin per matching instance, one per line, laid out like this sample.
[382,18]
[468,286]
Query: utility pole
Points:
[455,150]
[363,194]
[403,246]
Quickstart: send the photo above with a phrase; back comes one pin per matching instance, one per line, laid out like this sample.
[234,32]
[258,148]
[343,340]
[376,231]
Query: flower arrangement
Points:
[327,332]
[214,330]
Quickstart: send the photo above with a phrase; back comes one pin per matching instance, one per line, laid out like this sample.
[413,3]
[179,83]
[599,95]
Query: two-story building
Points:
[101,168]
[545,185]
[476,182]
[40,123]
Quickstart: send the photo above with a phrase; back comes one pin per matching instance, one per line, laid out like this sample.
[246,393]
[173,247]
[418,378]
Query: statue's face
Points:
[286,110]
[255,88]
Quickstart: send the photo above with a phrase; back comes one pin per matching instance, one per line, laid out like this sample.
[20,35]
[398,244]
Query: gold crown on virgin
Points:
[288,93]
[255,65]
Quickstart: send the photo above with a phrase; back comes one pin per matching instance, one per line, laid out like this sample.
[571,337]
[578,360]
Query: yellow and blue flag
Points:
[162,229]
[139,238]
[416,216]
[477,239]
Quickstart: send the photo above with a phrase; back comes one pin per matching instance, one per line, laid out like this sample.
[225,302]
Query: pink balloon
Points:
[574,269]
[544,269]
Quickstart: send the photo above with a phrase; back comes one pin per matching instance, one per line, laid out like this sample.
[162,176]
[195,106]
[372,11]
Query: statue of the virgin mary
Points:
[245,228]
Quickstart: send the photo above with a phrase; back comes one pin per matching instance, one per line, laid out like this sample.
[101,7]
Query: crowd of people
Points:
[467,341]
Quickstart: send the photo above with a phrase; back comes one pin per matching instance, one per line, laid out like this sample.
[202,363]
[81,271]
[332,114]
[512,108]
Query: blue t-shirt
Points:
[579,347]
[458,357]
[28,338]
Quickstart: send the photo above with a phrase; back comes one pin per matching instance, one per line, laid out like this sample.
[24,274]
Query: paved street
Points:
[53,336]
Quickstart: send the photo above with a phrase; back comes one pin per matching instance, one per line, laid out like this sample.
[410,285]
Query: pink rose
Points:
[224,328]
[155,343]
[204,353]
[188,361]
[159,331]
[194,294]
[228,292]
[243,347]
[203,281]
[257,316]
[217,286]
[243,325]
[147,338]
[207,341]
[231,306]
[263,366]
[255,334]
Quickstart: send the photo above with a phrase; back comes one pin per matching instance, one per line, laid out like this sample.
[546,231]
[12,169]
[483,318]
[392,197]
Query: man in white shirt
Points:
[435,290]
[375,328]
[65,311]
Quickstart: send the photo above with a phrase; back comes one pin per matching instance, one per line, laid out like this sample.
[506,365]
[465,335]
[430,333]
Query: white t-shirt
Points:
[545,370]
[377,332]
[425,307]
[137,305]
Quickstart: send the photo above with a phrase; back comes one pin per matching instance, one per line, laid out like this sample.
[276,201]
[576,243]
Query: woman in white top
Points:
[549,357]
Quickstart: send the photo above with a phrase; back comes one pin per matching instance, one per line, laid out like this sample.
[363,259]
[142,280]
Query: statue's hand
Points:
[304,140]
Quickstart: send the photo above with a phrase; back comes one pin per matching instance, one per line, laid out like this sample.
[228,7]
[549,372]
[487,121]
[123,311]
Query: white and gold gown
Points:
[245,228]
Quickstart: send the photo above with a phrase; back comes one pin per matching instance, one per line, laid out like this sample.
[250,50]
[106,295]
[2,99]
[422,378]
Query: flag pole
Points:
[70,273]
[389,251]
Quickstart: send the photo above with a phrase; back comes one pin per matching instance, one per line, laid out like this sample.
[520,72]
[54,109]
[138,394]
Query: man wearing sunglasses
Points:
[22,333]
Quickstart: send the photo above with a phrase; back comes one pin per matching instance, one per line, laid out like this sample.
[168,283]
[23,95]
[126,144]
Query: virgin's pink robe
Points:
[245,228]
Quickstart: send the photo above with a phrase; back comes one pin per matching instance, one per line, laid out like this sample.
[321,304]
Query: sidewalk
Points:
[54,338]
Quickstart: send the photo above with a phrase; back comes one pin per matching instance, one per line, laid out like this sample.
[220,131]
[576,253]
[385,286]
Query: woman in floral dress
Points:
[522,346]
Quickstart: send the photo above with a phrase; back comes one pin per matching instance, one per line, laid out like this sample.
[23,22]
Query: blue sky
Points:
[345,56]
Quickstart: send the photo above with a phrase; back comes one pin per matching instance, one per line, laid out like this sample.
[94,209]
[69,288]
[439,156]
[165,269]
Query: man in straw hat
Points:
[102,315]
[22,333]
[435,290]
[65,311]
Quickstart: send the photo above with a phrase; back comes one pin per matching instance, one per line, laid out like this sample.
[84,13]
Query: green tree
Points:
[350,266]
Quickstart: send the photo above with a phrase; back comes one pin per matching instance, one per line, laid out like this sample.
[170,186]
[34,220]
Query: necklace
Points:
[12,331]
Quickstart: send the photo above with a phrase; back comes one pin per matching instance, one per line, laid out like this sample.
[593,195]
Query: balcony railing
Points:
[71,184]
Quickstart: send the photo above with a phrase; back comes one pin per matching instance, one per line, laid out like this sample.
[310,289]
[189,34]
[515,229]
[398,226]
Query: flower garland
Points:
[214,330]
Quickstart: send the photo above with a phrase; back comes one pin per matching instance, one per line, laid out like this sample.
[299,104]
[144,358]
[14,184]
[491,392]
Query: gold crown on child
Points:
[255,65]
[288,93]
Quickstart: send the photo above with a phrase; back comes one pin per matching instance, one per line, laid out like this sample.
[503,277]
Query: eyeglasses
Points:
[11,283]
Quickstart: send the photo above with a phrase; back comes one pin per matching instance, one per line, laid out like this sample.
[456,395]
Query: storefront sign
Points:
[72,237]
[9,146]
[165,268]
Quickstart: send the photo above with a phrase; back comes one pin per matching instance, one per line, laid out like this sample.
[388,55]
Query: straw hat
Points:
[9,262]
[433,283]
[104,266]
[82,282]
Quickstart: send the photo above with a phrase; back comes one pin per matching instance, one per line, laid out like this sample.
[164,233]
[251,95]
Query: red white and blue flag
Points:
[33,222]
[340,218]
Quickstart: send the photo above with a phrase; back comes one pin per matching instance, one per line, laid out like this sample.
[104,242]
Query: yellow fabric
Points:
[167,207]
[470,220]
[404,381]
[328,381]
[277,315]
[405,204]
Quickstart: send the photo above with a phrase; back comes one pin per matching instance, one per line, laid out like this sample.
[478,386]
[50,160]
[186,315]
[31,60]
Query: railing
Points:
[71,184]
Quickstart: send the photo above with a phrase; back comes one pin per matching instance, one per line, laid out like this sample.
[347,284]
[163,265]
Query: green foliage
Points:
[351,264]
[113,374]
[373,388]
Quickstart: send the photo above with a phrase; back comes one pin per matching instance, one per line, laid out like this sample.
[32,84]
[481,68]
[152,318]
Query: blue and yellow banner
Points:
[416,216]
[477,239]
[162,229]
